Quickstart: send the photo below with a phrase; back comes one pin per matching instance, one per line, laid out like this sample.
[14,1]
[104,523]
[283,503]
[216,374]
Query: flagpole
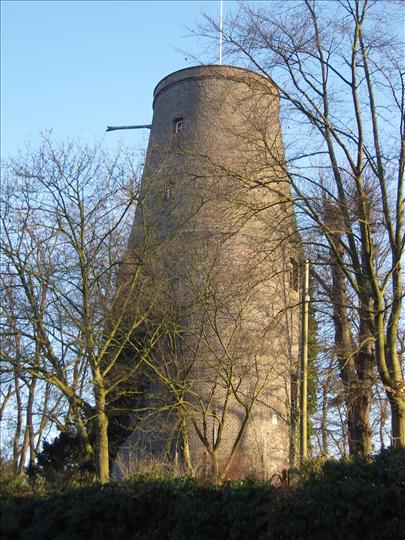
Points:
[220,32]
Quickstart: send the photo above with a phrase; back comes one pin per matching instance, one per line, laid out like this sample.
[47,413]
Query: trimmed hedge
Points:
[347,499]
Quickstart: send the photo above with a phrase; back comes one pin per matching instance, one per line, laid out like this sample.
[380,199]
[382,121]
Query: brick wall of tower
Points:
[216,205]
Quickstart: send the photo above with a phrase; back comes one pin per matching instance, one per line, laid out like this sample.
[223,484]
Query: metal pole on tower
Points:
[304,366]
[142,126]
[220,32]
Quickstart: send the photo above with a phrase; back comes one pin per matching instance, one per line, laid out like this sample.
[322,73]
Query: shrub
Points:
[12,484]
[351,499]
[63,459]
[348,499]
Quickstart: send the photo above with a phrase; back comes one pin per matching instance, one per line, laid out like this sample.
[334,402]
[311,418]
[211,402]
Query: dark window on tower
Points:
[169,193]
[294,274]
[169,188]
[177,125]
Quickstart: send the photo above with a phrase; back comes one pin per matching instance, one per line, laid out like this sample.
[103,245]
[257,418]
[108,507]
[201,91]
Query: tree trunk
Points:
[6,399]
[390,370]
[355,363]
[324,420]
[30,425]
[23,451]
[103,466]
[17,433]
[397,421]
[28,442]
[214,465]
[383,418]
[44,419]
[186,450]
[358,426]
[326,388]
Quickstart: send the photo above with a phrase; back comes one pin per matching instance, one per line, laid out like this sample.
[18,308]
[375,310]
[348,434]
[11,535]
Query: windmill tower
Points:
[216,209]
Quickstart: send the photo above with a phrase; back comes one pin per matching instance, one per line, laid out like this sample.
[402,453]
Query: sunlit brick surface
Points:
[216,209]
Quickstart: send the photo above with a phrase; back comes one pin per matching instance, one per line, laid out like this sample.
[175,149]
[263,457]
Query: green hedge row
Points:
[349,499]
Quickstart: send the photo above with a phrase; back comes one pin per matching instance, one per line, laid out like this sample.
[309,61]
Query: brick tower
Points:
[215,207]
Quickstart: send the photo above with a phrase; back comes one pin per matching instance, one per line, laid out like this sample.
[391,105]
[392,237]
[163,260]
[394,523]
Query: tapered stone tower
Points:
[222,275]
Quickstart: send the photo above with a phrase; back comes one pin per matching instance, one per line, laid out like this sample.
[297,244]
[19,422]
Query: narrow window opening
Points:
[169,189]
[178,124]
[294,275]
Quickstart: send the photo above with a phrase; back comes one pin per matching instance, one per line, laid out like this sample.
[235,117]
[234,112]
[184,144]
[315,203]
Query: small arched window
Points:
[177,124]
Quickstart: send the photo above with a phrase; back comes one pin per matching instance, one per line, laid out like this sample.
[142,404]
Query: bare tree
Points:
[339,73]
[66,217]
[29,408]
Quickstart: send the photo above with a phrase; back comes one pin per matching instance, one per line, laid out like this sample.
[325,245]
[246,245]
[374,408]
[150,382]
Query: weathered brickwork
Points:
[216,208]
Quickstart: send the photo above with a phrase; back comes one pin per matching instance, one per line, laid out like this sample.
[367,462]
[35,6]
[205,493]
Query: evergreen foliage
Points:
[62,459]
[350,499]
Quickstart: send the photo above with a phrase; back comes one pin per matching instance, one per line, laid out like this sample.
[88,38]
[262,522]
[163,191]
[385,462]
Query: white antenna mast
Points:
[220,33]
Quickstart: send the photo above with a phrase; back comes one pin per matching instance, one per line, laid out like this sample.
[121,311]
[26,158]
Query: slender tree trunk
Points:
[324,420]
[44,418]
[7,398]
[186,450]
[103,466]
[28,441]
[383,418]
[30,424]
[17,433]
[326,387]
[23,451]
[343,446]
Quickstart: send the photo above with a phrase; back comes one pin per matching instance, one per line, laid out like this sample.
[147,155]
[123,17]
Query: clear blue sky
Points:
[76,66]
